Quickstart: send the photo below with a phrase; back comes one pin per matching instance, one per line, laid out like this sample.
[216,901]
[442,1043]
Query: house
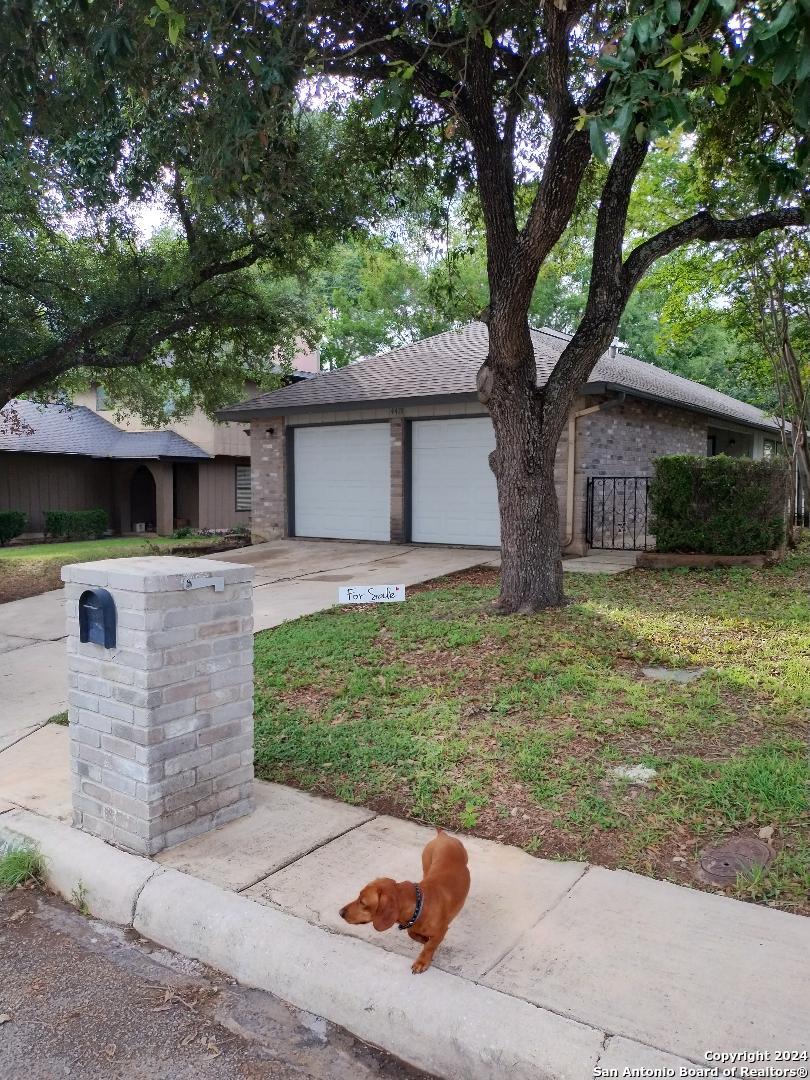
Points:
[396,447]
[82,457]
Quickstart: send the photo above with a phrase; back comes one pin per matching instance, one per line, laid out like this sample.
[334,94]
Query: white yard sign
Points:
[371,594]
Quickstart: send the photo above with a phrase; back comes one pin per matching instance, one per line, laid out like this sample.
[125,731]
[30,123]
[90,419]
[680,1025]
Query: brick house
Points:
[395,447]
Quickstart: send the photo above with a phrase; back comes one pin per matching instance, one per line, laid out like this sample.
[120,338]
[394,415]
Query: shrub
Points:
[718,505]
[12,523]
[76,524]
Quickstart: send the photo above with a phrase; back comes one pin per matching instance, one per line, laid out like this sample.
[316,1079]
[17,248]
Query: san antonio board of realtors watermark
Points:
[740,1064]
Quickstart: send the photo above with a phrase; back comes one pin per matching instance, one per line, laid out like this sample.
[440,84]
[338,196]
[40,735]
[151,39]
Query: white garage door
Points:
[454,499]
[342,481]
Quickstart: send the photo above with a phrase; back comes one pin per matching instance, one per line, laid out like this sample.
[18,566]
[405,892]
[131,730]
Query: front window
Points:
[243,487]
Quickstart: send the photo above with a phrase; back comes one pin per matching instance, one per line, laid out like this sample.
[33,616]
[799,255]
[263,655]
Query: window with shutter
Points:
[243,487]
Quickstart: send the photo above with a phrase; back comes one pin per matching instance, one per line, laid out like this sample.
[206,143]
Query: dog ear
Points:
[387,906]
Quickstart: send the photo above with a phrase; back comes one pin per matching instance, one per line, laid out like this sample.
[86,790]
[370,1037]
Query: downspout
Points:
[572,460]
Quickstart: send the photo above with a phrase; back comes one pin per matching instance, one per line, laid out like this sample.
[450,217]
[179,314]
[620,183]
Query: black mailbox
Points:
[97,617]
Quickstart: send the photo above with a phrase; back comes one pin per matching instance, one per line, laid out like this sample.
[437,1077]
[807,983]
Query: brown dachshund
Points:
[424,910]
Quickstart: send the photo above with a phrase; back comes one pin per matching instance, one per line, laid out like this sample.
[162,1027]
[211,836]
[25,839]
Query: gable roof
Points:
[59,429]
[443,368]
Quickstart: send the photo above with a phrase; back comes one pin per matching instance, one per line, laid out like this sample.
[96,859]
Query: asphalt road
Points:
[85,1000]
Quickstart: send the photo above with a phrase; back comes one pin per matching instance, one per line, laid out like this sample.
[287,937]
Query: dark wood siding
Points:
[36,483]
[218,494]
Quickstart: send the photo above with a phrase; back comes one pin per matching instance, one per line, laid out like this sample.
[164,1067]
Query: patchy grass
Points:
[18,865]
[30,569]
[60,718]
[510,727]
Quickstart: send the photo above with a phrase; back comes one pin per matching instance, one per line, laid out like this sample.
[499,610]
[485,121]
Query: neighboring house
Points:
[196,474]
[396,447]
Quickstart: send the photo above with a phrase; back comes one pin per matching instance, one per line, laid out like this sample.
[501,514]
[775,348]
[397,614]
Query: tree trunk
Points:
[523,463]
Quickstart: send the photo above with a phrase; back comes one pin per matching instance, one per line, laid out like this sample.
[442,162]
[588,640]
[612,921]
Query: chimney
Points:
[614,347]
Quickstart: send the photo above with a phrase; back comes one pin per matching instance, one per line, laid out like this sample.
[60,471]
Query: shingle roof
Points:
[444,367]
[56,429]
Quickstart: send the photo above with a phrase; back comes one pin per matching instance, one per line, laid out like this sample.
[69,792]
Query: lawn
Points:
[509,727]
[26,570]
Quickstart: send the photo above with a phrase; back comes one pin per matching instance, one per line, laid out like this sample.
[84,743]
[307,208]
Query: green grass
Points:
[90,550]
[510,727]
[29,569]
[60,718]
[18,865]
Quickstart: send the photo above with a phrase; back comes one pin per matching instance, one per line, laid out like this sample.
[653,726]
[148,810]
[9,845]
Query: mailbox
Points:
[97,618]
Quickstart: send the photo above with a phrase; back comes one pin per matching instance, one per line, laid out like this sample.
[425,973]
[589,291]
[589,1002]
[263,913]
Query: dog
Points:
[424,910]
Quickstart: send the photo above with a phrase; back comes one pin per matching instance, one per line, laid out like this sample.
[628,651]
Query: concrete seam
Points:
[529,929]
[42,724]
[136,898]
[303,855]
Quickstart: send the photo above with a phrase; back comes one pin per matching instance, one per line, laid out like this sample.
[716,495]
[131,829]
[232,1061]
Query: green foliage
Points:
[76,524]
[138,196]
[12,523]
[20,864]
[718,505]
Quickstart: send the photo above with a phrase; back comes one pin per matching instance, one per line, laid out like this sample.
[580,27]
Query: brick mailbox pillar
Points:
[160,662]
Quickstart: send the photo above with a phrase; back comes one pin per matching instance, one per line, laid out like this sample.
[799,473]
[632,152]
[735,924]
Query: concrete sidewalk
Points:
[613,968]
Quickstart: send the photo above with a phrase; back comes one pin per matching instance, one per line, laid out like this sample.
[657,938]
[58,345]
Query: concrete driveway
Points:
[293,578]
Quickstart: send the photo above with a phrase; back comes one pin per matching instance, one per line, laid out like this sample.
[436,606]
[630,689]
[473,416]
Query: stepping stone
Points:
[678,675]
[636,774]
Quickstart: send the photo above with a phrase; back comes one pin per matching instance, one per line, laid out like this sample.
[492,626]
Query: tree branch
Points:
[704,226]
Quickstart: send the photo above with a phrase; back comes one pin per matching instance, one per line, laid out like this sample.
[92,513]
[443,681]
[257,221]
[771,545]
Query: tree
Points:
[369,295]
[517,90]
[109,111]
[772,302]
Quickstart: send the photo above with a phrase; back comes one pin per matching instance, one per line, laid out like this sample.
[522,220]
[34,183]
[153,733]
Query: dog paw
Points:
[418,966]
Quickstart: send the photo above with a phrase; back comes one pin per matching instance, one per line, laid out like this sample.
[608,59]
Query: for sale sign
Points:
[371,594]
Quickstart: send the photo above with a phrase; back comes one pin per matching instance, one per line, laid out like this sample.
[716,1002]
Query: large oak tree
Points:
[116,117]
[521,90]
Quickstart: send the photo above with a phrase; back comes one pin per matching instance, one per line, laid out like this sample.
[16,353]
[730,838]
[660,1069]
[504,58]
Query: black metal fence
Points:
[616,513]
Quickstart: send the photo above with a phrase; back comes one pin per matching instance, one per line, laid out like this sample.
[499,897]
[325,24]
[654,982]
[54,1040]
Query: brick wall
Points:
[268,480]
[161,726]
[624,440]
[399,472]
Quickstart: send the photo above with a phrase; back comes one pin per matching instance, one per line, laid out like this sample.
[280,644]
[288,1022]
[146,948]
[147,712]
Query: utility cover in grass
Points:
[679,675]
[636,774]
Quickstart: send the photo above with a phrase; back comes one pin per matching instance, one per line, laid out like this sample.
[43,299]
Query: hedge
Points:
[12,523]
[718,505]
[76,524]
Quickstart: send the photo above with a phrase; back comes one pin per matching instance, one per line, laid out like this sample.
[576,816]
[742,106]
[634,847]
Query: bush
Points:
[76,524]
[718,505]
[12,523]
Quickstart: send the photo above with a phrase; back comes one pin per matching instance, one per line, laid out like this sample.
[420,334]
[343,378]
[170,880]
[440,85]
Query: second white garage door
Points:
[342,481]
[454,499]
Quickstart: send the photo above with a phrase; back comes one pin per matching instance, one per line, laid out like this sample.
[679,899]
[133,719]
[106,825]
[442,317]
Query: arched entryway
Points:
[143,498]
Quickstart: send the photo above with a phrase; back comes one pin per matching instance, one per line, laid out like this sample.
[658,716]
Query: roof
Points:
[444,367]
[60,429]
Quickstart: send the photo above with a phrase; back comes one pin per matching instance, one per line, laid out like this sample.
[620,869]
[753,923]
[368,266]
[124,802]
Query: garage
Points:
[454,498]
[342,482]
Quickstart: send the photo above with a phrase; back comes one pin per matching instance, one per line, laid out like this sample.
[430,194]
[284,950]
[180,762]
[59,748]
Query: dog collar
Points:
[417,911]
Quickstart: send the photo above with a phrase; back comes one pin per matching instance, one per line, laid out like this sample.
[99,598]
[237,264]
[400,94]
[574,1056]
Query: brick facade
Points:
[621,440]
[268,479]
[161,726]
[399,472]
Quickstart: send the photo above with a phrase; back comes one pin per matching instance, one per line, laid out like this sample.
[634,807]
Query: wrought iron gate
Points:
[616,513]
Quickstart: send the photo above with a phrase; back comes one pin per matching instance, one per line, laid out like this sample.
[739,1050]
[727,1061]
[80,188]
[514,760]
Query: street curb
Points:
[77,865]
[438,1022]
